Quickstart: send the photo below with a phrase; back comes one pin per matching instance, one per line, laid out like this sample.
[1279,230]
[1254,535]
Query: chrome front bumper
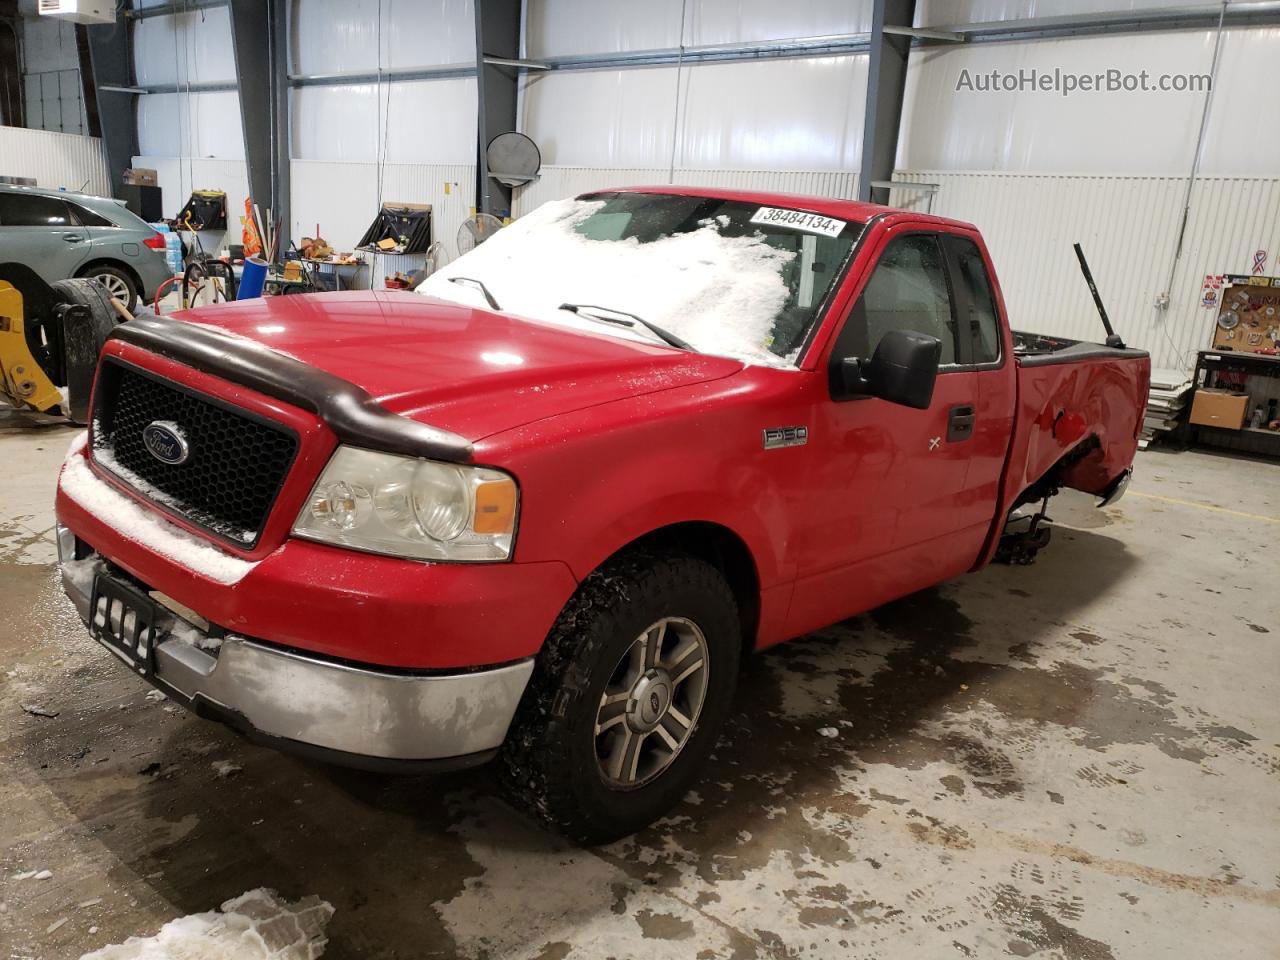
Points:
[348,714]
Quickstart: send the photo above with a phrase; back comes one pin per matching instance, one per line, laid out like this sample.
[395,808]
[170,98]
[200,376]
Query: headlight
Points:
[386,503]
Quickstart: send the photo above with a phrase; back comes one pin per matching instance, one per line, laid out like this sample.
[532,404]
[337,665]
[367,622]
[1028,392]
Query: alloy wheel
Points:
[116,287]
[652,702]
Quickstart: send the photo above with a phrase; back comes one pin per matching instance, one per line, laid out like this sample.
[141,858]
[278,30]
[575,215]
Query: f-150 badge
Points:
[785,437]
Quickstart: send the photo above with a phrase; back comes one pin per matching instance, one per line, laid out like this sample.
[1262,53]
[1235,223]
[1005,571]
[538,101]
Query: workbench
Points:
[1209,365]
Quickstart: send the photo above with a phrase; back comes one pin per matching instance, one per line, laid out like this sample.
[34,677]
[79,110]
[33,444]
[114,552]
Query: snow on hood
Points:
[721,294]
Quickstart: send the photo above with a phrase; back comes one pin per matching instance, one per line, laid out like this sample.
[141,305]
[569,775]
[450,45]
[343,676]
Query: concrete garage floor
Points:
[1078,759]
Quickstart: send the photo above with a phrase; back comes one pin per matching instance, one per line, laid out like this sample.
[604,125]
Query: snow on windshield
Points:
[721,294]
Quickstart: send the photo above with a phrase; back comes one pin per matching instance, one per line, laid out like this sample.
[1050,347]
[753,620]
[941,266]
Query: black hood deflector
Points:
[352,414]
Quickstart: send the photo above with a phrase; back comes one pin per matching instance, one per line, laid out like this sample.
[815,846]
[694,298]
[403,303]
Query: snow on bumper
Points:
[340,708]
[96,496]
[341,604]
[358,655]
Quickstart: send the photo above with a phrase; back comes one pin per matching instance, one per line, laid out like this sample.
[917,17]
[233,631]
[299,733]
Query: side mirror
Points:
[902,370]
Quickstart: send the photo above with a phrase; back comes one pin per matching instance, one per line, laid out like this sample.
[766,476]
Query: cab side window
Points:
[907,291]
[984,323]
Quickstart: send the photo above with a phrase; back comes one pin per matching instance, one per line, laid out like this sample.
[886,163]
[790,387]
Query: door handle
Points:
[960,423]
[72,237]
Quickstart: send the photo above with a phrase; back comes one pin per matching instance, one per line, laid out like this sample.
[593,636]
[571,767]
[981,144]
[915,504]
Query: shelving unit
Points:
[1210,364]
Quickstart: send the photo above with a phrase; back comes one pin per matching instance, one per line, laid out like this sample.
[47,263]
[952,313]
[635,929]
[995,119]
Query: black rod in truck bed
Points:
[1112,340]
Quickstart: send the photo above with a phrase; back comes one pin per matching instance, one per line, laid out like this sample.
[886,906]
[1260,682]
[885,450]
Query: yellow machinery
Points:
[50,337]
[25,382]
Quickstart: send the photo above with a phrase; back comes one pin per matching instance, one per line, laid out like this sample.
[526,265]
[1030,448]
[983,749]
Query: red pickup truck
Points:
[402,531]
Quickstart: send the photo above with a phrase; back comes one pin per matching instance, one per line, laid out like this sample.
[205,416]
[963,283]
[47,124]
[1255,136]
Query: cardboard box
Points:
[1220,408]
[141,177]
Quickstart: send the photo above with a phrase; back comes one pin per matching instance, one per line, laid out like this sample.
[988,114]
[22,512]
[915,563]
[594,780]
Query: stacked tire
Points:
[83,335]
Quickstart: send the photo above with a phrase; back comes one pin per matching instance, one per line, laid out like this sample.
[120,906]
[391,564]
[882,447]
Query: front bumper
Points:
[336,604]
[357,715]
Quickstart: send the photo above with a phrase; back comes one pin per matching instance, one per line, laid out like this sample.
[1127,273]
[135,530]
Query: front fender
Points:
[593,481]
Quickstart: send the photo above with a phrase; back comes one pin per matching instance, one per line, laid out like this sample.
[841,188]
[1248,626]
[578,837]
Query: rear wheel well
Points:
[724,550]
[1050,482]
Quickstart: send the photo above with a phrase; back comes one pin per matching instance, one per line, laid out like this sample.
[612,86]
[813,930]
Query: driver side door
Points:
[891,477]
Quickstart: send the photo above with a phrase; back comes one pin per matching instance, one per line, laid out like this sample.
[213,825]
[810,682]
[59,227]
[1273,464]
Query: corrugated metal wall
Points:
[65,160]
[555,183]
[343,198]
[1034,170]
[1128,227]
[409,122]
[178,176]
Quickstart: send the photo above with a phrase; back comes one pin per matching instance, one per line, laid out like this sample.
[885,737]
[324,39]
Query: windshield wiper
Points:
[483,289]
[587,310]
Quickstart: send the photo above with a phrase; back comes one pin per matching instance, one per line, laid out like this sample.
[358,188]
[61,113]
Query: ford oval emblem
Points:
[164,441]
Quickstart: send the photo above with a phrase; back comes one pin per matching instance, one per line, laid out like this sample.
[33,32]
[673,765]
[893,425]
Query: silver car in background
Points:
[61,235]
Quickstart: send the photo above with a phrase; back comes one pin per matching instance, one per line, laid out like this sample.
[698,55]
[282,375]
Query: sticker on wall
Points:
[1209,291]
[1259,261]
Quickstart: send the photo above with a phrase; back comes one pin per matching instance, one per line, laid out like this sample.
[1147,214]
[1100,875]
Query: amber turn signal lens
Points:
[495,507]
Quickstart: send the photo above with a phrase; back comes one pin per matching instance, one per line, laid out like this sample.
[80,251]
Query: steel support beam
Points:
[497,40]
[167,9]
[834,45]
[924,33]
[206,86]
[111,63]
[886,81]
[447,71]
[258,32]
[1127,20]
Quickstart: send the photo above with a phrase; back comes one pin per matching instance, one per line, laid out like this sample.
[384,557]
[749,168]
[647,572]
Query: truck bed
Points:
[1038,349]
[1077,417]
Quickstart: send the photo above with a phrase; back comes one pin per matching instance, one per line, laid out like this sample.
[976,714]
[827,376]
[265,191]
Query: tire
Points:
[82,341]
[118,283]
[551,762]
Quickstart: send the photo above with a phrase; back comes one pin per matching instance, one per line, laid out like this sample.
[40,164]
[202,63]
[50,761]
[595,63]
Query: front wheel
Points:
[627,698]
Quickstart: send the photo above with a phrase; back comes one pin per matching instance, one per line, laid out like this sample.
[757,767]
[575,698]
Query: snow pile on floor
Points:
[257,925]
[151,530]
[721,294]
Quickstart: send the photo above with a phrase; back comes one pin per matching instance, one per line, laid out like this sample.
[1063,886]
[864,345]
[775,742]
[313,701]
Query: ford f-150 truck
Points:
[542,512]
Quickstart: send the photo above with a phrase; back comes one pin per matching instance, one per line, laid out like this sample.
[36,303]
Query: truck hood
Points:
[466,370]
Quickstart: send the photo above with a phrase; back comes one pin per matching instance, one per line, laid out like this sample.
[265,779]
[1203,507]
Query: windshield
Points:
[736,279]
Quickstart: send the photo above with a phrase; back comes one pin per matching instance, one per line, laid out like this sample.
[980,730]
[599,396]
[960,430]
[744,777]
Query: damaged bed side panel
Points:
[1098,402]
